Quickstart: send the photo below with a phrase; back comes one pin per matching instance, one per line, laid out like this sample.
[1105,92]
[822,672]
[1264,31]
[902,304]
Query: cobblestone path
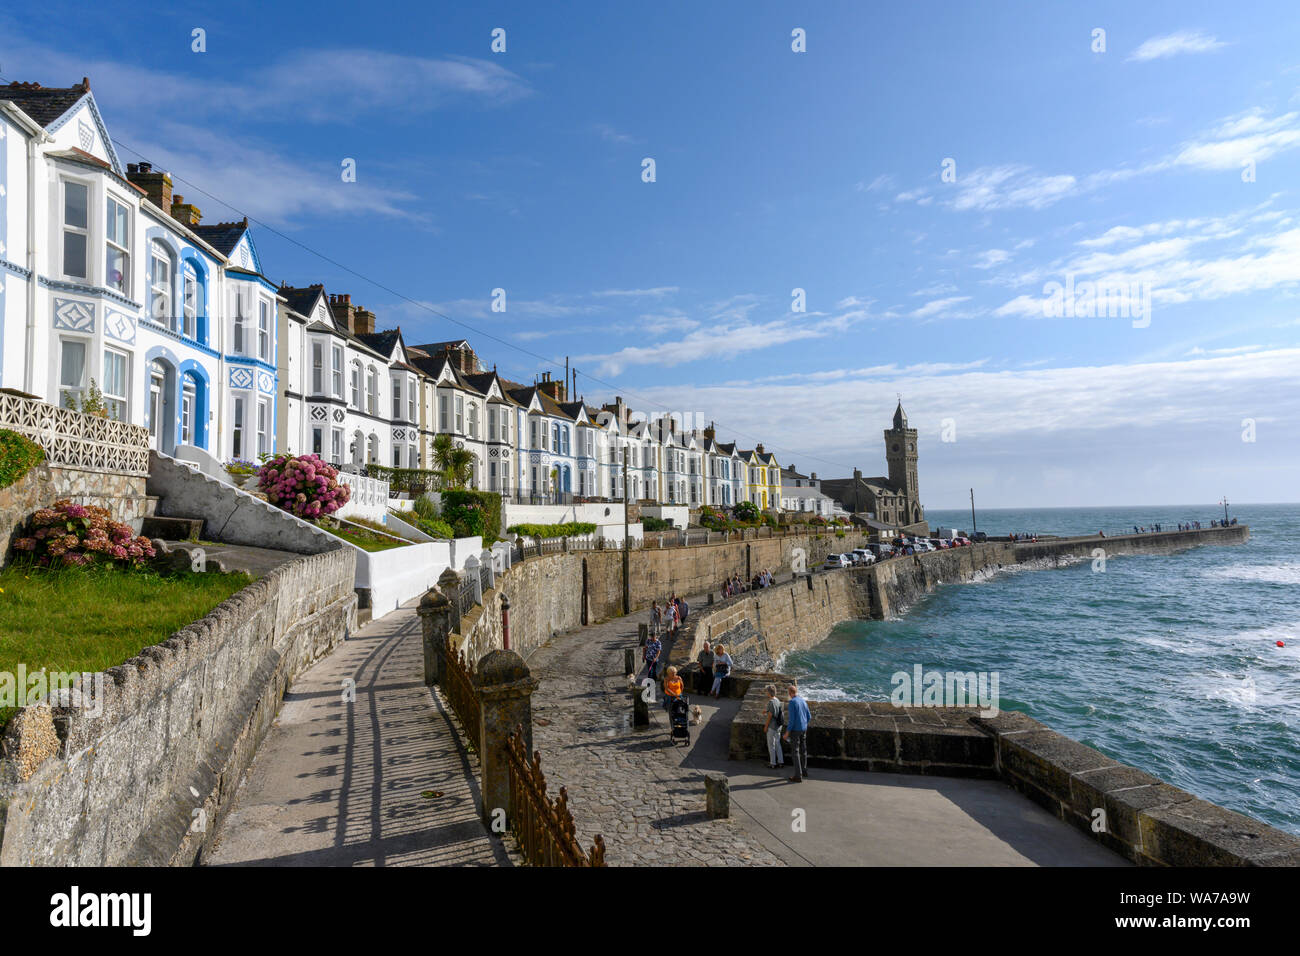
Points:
[380,781]
[630,786]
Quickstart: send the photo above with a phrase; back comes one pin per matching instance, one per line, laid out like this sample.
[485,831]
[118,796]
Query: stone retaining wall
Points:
[144,781]
[123,495]
[1131,812]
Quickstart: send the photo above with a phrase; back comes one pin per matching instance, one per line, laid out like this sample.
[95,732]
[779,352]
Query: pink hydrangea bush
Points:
[70,535]
[303,485]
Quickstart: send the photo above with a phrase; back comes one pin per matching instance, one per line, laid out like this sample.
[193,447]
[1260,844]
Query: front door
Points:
[155,410]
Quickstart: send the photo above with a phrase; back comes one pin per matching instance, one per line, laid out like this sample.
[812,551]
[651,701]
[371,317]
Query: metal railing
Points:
[77,440]
[463,697]
[544,829]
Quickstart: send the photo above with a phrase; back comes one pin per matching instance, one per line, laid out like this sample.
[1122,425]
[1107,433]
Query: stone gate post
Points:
[436,623]
[505,690]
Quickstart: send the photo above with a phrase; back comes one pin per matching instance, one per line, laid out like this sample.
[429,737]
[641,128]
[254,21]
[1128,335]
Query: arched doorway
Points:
[162,406]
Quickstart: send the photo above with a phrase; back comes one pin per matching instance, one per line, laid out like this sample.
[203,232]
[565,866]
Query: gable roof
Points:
[44,104]
[302,300]
[383,342]
[224,236]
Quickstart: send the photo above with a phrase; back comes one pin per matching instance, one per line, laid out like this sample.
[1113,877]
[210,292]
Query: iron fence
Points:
[463,697]
[544,829]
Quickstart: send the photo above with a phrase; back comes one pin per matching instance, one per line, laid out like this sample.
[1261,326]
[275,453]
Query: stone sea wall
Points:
[141,777]
[558,592]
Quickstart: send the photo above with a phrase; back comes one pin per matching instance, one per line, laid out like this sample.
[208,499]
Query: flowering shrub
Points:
[68,535]
[241,467]
[303,485]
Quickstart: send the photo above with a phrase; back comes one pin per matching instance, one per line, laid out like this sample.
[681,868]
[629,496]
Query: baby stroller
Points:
[679,725]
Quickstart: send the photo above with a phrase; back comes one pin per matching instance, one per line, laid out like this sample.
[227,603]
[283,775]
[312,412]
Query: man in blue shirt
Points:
[797,717]
[651,654]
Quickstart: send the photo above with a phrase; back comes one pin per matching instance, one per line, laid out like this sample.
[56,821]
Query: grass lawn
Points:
[371,536]
[90,619]
[366,541]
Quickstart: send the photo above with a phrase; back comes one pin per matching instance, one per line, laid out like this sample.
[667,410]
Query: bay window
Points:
[76,229]
[317,367]
[160,283]
[237,441]
[72,370]
[117,255]
[264,330]
[190,301]
[115,384]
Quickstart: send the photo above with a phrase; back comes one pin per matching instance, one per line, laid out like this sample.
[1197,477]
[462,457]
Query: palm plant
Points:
[456,464]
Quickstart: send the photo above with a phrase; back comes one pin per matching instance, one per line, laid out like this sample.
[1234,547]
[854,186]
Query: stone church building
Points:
[893,502]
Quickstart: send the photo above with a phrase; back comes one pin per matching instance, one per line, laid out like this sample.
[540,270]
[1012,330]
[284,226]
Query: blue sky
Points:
[778,170]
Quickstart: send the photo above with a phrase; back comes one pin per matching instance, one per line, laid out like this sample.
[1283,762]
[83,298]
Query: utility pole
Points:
[973,529]
[627,554]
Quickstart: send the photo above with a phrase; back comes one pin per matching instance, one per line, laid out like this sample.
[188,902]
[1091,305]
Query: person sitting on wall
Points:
[721,669]
[705,677]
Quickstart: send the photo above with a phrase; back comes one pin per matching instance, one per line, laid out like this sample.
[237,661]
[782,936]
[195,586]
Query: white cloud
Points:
[936,306]
[1173,44]
[990,258]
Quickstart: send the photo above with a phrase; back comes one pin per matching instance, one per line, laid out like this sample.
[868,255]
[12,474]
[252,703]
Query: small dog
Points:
[696,714]
[632,682]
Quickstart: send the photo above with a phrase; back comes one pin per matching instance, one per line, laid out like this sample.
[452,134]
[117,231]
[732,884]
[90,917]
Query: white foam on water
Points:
[1285,573]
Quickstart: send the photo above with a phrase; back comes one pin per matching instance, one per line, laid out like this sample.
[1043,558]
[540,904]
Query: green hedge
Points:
[473,513]
[18,455]
[656,524]
[569,529]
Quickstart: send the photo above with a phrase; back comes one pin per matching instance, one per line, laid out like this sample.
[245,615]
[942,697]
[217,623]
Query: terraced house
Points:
[112,283]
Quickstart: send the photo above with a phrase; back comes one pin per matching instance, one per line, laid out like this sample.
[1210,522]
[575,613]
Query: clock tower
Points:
[900,453]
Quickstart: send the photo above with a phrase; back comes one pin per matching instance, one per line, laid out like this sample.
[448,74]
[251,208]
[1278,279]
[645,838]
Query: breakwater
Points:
[798,615]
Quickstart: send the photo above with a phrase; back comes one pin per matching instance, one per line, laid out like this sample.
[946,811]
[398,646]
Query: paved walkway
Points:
[629,786]
[646,797]
[382,781]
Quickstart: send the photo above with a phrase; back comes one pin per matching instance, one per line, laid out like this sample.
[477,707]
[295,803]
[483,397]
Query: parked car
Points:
[939,544]
[979,536]
[836,561]
[864,556]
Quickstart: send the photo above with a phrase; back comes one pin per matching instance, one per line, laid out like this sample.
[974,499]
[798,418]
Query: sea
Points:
[1169,663]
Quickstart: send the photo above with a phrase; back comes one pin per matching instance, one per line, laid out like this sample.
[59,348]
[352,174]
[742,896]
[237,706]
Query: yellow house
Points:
[764,478]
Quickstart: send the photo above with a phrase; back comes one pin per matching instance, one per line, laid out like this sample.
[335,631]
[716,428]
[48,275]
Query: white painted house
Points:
[109,278]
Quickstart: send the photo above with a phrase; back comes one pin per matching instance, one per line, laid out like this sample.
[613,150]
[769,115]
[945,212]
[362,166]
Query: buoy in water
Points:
[1281,643]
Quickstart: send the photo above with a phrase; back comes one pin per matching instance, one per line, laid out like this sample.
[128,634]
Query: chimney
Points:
[759,448]
[711,433]
[813,476]
[363,321]
[341,306]
[464,359]
[157,186]
[552,388]
[186,213]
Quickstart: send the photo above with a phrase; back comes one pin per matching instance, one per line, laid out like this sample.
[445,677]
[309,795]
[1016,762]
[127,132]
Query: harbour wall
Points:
[1125,809]
[557,592]
[800,614]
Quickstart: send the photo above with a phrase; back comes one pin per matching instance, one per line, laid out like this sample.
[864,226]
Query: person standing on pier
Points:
[797,717]
[705,678]
[656,618]
[772,727]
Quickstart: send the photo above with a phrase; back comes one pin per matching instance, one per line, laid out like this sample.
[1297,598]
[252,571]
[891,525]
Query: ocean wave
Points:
[1286,573]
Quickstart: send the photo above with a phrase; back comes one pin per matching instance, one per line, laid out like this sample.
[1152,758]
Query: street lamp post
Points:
[505,622]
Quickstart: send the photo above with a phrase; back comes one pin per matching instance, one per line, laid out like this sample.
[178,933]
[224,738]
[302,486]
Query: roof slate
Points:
[44,104]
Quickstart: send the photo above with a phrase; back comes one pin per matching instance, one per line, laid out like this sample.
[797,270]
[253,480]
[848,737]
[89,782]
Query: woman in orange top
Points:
[672,686]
